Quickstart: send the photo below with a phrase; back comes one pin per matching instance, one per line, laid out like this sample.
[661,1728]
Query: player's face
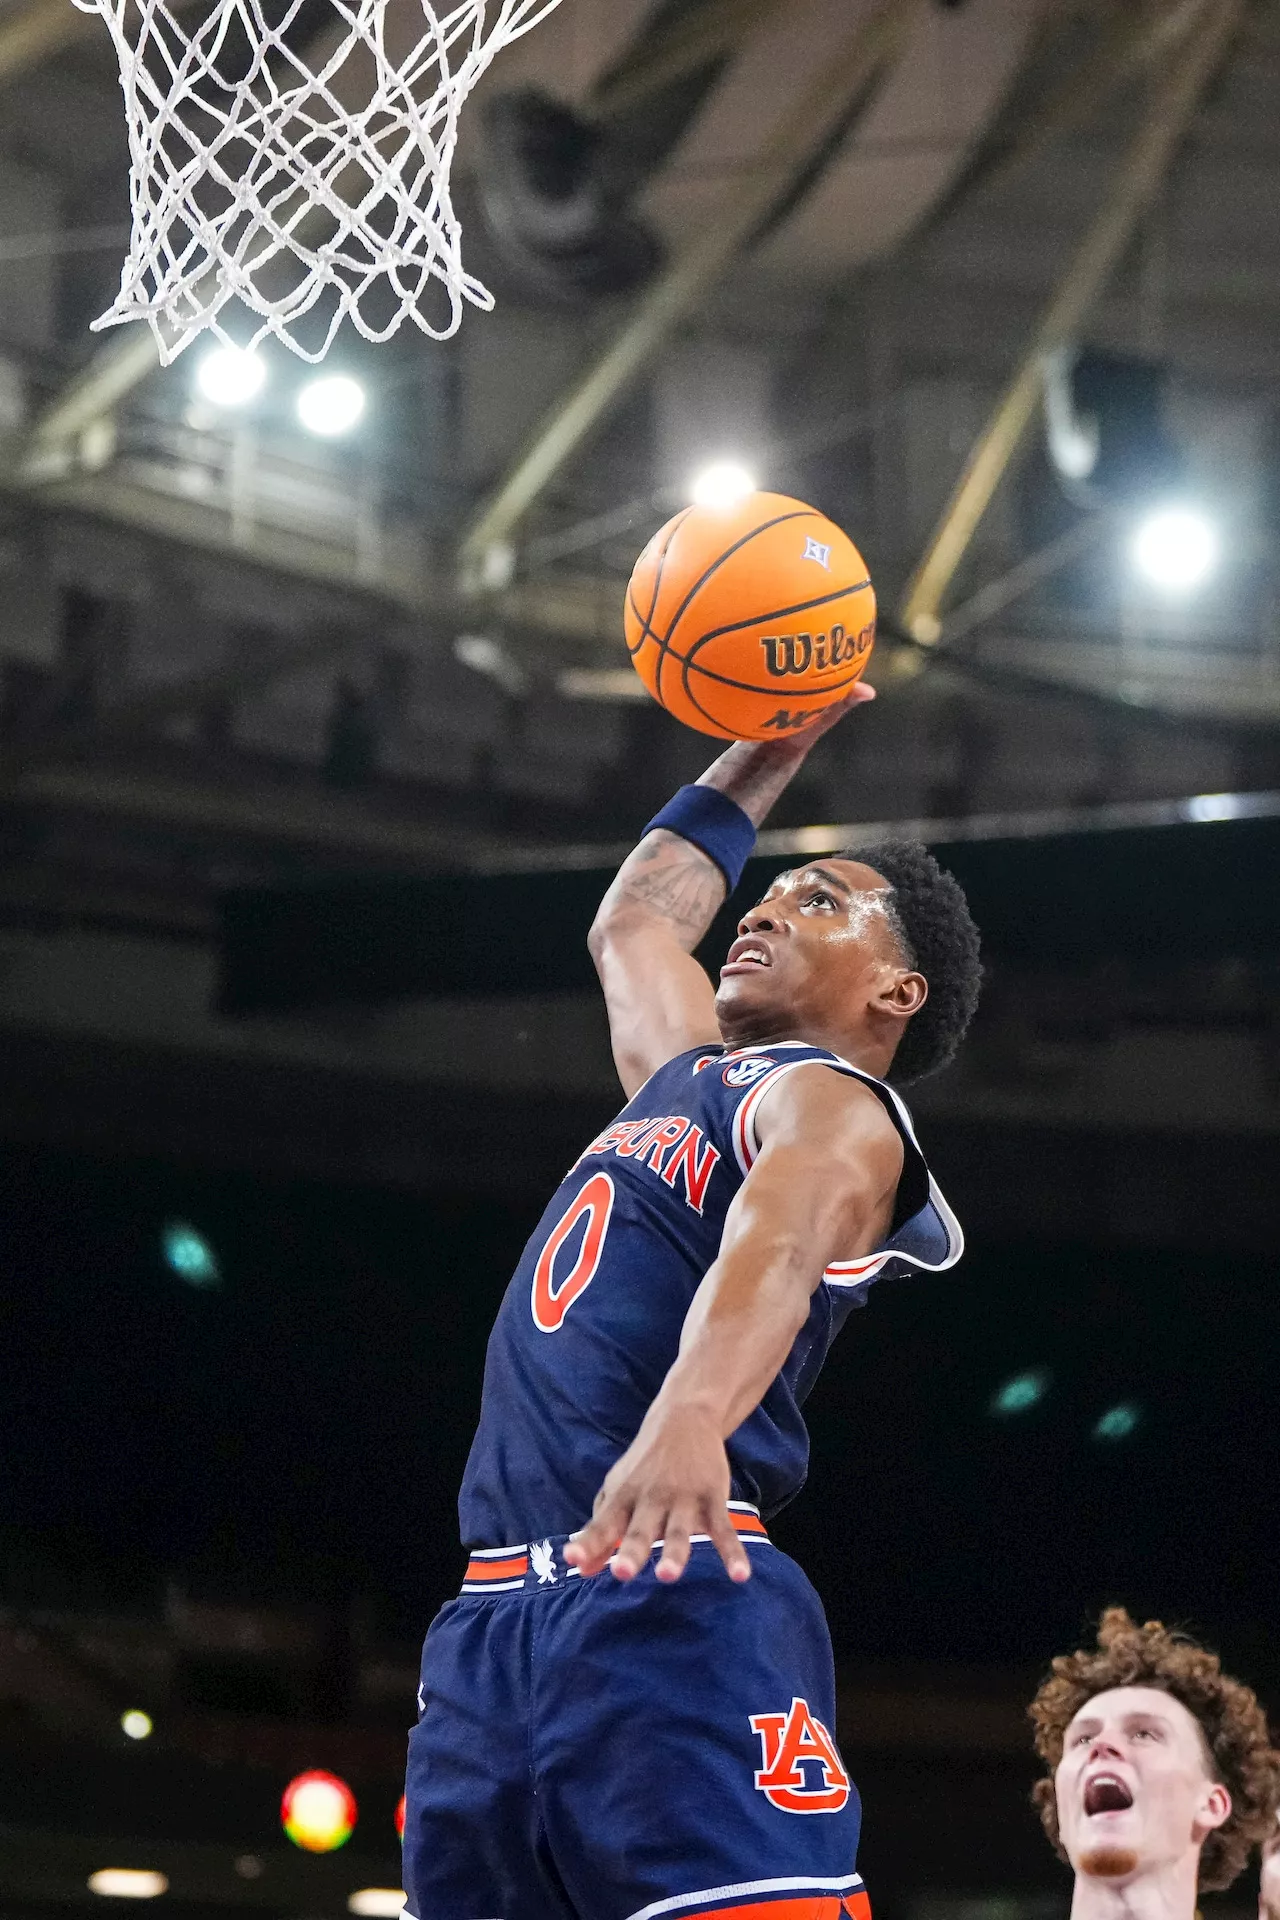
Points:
[818,949]
[1136,1792]
[1269,1884]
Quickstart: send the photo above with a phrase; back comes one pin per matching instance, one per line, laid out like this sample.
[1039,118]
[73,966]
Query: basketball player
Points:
[628,1712]
[1161,1773]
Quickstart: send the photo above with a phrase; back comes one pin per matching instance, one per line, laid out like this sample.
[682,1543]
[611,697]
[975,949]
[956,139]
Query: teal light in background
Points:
[1117,1423]
[189,1255]
[1021,1393]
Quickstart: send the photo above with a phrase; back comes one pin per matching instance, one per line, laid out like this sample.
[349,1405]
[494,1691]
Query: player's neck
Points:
[1167,1892]
[860,1050]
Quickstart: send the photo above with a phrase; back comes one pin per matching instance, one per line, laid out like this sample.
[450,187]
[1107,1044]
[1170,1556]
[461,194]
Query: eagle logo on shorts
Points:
[802,1771]
[542,1554]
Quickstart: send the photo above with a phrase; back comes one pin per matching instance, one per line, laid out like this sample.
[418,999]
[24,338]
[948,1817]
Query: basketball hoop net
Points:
[295,189]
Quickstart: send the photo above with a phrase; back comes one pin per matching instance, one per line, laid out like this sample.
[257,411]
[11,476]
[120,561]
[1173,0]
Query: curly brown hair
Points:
[1234,1726]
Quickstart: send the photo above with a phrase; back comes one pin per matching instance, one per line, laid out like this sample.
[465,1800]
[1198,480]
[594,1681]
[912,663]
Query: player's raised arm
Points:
[821,1189]
[668,891]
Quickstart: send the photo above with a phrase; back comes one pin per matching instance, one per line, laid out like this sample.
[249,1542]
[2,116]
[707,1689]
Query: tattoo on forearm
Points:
[673,880]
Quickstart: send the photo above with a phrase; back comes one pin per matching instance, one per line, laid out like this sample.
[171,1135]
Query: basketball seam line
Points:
[664,645]
[646,621]
[798,693]
[646,631]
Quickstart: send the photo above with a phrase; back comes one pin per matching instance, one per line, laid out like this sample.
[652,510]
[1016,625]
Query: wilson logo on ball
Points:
[797,652]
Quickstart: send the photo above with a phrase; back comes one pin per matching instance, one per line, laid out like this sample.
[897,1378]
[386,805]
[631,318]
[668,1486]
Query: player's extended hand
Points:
[673,1481]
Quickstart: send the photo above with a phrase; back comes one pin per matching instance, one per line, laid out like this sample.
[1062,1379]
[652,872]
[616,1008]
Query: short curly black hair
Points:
[932,921]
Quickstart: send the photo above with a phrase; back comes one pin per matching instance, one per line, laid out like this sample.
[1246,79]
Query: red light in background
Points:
[318,1811]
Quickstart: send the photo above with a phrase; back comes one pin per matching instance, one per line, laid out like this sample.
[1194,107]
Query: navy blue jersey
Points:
[591,1321]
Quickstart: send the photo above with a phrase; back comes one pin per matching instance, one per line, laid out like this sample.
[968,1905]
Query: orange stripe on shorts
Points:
[498,1569]
[748,1523]
[805,1906]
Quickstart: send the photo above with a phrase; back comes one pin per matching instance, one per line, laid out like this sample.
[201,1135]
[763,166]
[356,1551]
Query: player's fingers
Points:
[675,1545]
[636,1545]
[590,1548]
[728,1545]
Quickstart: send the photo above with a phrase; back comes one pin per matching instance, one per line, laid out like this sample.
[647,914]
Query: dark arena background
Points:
[319,745]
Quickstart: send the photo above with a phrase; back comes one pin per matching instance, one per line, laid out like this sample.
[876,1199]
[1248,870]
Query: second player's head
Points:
[1160,1765]
[872,952]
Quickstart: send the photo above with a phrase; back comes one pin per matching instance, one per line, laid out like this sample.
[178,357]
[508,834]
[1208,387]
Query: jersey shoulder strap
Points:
[925,1232]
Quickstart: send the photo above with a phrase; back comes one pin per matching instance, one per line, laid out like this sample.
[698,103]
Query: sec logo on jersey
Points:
[743,1072]
[802,1771]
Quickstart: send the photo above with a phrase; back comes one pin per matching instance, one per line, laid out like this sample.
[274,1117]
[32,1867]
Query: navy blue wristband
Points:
[714,823]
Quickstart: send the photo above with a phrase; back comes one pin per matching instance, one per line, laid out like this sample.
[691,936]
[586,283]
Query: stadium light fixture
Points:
[331,406]
[230,377]
[1021,1393]
[1175,548]
[128,1883]
[722,484]
[376,1903]
[136,1725]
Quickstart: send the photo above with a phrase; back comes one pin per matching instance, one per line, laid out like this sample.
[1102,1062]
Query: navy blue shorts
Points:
[596,1750]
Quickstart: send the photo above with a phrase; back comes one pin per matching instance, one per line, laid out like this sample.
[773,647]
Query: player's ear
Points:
[1215,1807]
[903,994]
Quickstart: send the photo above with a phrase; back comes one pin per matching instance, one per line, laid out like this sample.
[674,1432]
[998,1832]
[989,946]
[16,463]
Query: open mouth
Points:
[745,954]
[1106,1793]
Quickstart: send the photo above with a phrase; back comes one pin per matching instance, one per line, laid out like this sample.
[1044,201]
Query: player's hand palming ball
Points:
[746,621]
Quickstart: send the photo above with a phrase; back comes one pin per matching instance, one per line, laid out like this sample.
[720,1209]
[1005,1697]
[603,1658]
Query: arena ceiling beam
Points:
[797,138]
[1142,170]
[263,814]
[683,46]
[1134,38]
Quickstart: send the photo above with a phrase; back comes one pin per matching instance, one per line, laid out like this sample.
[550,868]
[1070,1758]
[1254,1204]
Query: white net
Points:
[287,158]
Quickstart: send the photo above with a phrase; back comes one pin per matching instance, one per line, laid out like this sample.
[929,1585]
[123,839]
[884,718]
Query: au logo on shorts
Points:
[802,1771]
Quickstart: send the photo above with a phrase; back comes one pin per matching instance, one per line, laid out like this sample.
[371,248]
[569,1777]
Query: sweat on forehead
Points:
[848,876]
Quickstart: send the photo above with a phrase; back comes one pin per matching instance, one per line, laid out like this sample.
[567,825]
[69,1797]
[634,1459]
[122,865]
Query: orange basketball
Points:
[745,621]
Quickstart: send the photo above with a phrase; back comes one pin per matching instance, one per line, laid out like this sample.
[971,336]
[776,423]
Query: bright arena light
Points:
[722,484]
[136,1724]
[128,1883]
[1021,1393]
[1117,1423]
[376,1903]
[332,405]
[318,1812]
[189,1255]
[229,377]
[1176,548]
